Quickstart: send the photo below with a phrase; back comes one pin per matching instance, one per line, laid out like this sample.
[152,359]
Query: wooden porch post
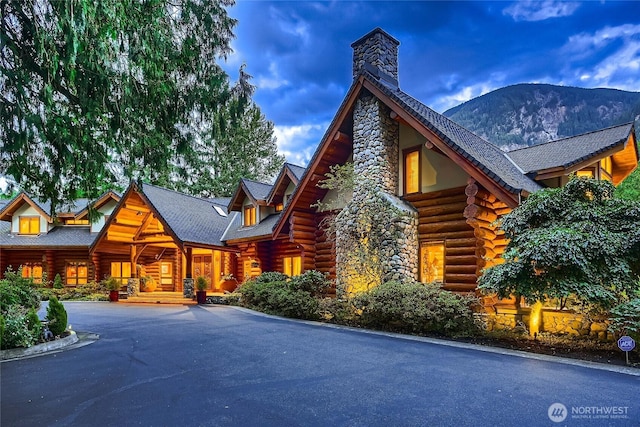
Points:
[132,260]
[189,257]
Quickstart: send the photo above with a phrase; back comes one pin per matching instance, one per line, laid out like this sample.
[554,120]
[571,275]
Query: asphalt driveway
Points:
[174,365]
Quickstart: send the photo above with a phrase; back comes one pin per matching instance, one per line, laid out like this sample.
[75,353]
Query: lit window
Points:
[77,273]
[249,215]
[32,271]
[432,262]
[606,169]
[29,224]
[121,271]
[412,171]
[279,207]
[77,222]
[292,266]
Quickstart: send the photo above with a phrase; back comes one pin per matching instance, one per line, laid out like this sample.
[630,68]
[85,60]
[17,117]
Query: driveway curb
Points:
[18,353]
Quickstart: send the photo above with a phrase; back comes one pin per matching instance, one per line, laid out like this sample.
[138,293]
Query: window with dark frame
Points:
[412,167]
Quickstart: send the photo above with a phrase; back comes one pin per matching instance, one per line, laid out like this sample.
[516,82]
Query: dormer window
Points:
[30,225]
[279,207]
[77,222]
[249,215]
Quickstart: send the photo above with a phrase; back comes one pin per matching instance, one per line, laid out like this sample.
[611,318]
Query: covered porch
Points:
[150,238]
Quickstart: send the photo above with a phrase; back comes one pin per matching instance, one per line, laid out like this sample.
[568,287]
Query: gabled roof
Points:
[100,201]
[75,209]
[571,152]
[12,206]
[289,173]
[479,158]
[485,156]
[256,191]
[192,220]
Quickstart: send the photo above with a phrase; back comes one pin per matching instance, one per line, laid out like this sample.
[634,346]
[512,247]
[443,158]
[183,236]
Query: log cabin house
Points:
[46,244]
[449,184]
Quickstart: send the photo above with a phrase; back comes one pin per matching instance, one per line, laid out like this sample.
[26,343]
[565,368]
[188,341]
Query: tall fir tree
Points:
[96,93]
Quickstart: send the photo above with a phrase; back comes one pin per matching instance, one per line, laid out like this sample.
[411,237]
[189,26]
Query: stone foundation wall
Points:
[552,321]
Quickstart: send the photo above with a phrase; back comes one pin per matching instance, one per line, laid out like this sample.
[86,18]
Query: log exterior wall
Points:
[441,218]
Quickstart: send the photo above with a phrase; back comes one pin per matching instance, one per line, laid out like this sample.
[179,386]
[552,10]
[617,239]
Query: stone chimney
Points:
[376,52]
[376,232]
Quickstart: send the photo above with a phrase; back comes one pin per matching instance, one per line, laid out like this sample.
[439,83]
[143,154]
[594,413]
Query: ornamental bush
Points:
[16,331]
[415,308]
[18,290]
[57,317]
[312,281]
[272,293]
[625,318]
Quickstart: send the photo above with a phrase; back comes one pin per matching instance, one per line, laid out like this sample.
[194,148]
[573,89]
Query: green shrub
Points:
[18,290]
[311,281]
[91,291]
[278,298]
[270,277]
[2,328]
[415,308]
[57,282]
[34,325]
[625,318]
[16,332]
[201,283]
[57,316]
[338,310]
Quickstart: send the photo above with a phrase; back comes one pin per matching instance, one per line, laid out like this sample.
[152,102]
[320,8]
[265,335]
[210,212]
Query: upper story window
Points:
[249,215]
[279,207]
[412,177]
[29,224]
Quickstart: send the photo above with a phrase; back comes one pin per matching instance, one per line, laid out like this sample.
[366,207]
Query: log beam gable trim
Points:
[332,135]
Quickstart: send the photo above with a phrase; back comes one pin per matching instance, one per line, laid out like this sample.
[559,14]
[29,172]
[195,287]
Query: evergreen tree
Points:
[91,92]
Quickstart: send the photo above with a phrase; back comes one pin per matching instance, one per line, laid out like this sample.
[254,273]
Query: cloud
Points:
[272,80]
[609,57]
[464,94]
[298,143]
[532,10]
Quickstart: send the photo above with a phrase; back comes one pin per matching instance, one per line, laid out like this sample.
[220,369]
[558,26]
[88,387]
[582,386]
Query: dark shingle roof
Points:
[569,151]
[56,237]
[258,190]
[484,155]
[192,219]
[298,171]
[237,231]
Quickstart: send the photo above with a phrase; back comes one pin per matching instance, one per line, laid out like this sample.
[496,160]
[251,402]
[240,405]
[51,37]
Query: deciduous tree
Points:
[574,241]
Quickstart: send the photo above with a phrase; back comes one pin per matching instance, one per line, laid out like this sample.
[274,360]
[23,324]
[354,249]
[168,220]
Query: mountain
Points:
[527,114]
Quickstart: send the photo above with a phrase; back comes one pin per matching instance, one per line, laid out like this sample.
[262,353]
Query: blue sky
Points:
[299,53]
